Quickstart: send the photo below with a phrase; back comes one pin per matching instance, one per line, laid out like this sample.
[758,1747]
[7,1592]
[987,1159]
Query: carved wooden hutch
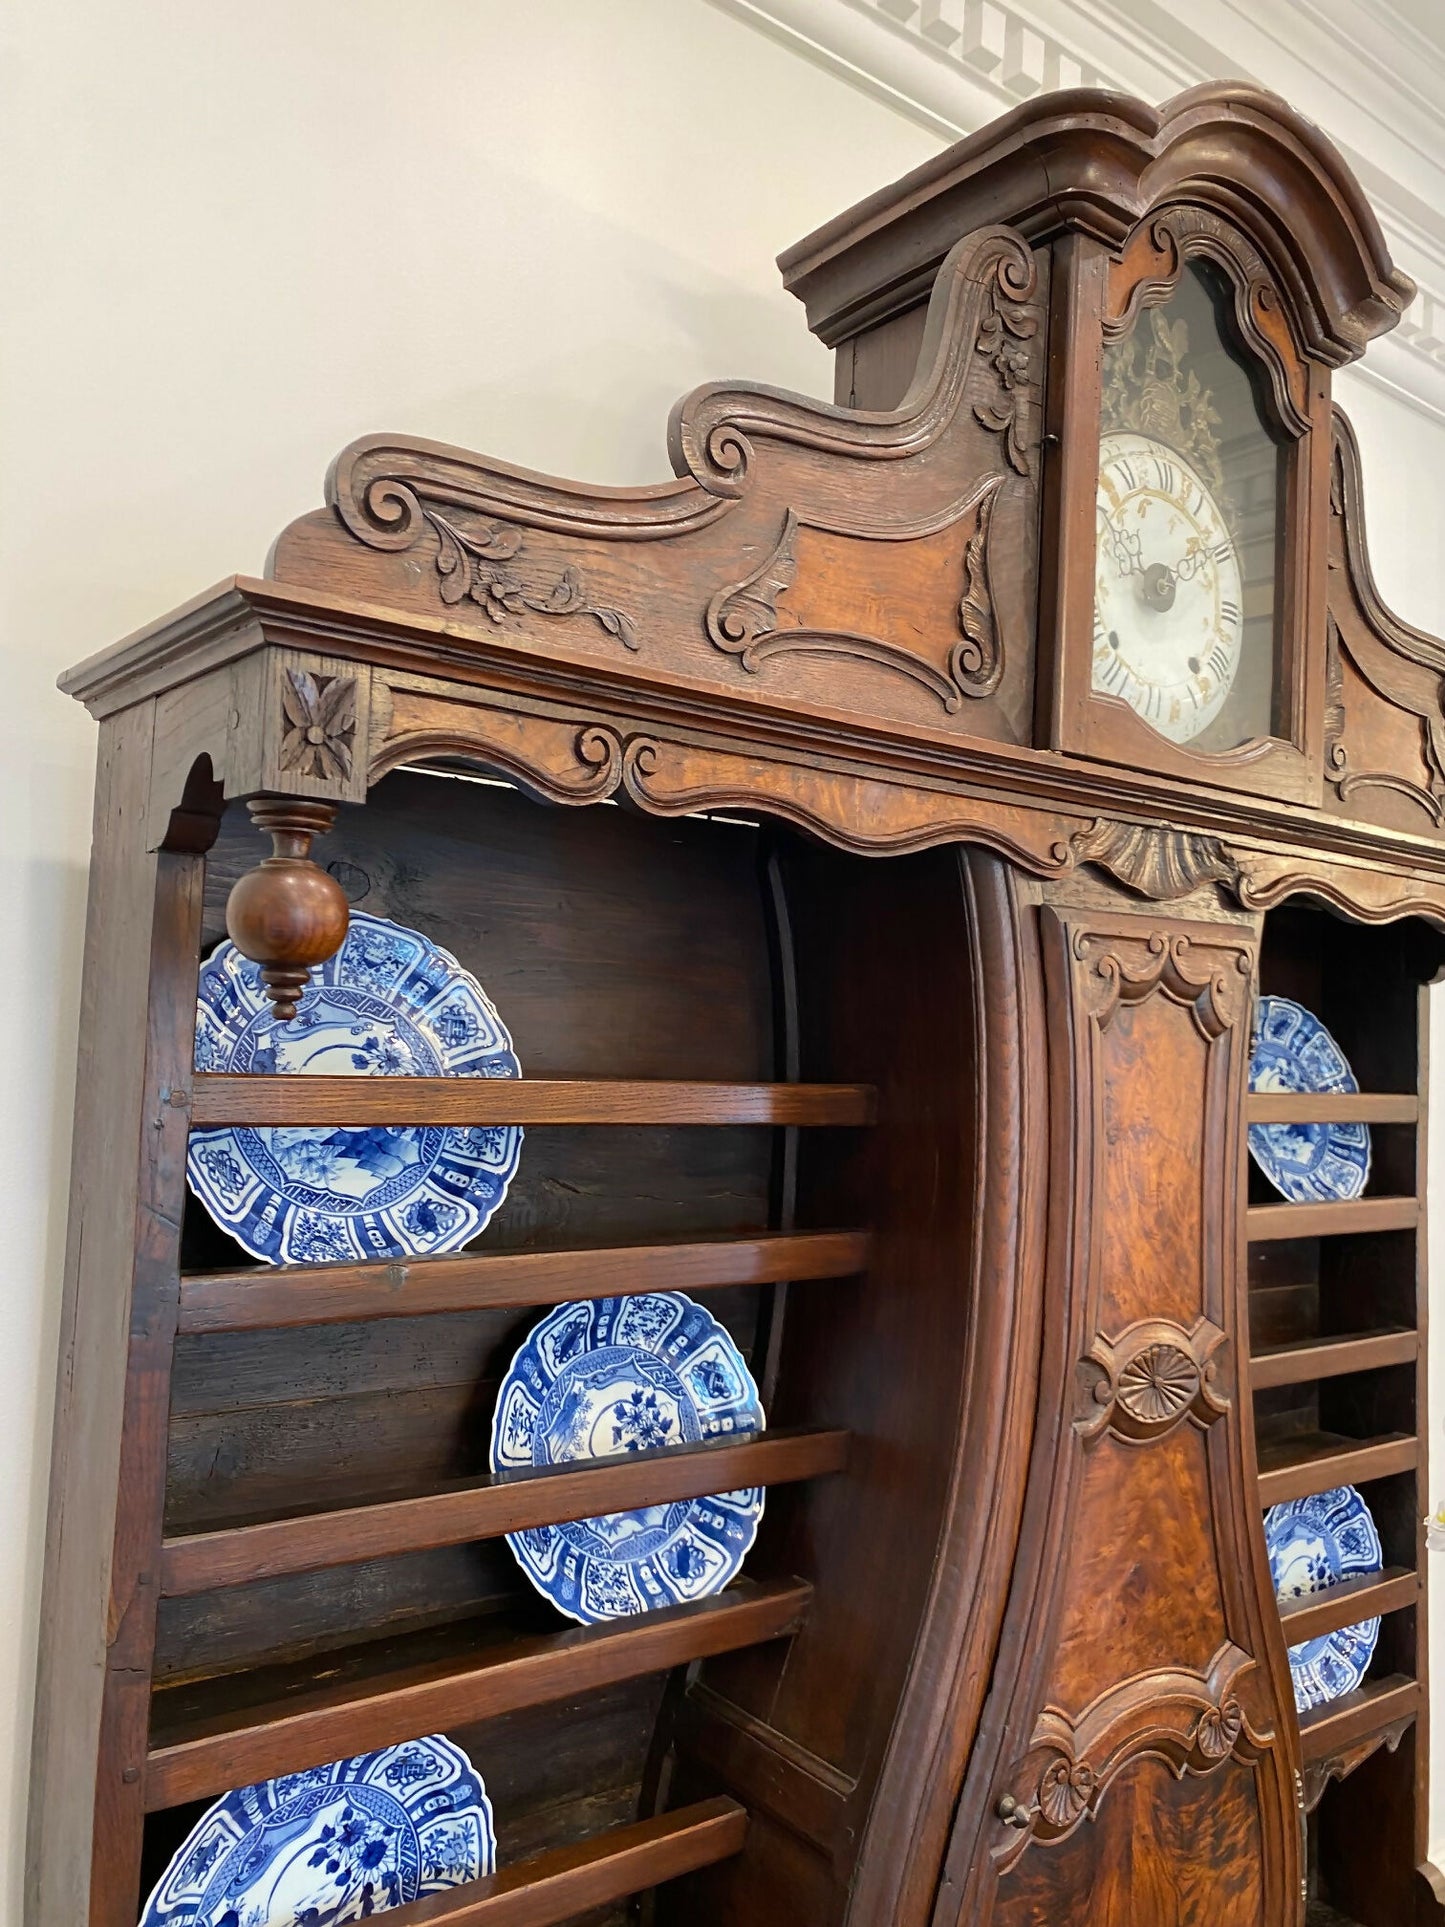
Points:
[902,1004]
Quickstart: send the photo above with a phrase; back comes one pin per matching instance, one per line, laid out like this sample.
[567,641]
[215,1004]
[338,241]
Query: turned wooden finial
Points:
[288,914]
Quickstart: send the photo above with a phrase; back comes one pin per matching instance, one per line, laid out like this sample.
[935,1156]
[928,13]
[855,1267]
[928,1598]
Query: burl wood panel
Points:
[1136,1720]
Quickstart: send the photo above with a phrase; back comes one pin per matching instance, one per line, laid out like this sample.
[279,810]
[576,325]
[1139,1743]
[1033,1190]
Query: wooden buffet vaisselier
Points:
[901,1005]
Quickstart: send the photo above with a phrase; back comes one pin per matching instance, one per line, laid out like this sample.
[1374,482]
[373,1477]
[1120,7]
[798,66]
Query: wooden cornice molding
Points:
[1096,162]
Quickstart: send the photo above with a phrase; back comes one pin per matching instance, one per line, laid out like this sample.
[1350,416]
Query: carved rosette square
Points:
[319,725]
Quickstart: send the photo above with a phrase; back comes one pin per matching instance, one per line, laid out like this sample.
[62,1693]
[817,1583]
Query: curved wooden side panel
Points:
[1131,1720]
[1385,681]
[884,563]
[848,1747]
[902,1851]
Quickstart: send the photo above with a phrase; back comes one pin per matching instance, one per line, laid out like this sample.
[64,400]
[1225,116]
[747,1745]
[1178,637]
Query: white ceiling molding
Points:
[1371,72]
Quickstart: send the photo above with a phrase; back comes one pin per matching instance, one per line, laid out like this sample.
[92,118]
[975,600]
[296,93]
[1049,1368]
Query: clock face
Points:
[1168,597]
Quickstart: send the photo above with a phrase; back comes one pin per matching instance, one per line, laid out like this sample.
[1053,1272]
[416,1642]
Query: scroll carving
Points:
[1317,1774]
[1154,862]
[1117,971]
[1194,1721]
[318,724]
[472,567]
[750,620]
[1149,1379]
[1007,341]
[573,760]
[905,541]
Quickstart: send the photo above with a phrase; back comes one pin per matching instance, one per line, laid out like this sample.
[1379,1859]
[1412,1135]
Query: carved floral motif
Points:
[1009,340]
[319,724]
[470,568]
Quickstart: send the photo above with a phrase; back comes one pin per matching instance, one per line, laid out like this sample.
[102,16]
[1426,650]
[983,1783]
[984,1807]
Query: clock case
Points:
[960,1139]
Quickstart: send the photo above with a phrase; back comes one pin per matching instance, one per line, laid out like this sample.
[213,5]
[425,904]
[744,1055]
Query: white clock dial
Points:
[1168,601]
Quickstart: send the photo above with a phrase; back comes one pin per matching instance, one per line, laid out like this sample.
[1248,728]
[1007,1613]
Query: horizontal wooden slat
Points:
[196,1758]
[1337,1107]
[1263,1222]
[519,1100]
[488,1507]
[1321,1461]
[473,1281]
[1369,1709]
[1367,1597]
[1331,1357]
[556,1886]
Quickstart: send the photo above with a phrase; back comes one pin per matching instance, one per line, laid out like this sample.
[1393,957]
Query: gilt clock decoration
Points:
[1187,517]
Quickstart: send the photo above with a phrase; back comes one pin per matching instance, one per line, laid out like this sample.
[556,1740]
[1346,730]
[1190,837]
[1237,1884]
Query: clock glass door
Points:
[1189,517]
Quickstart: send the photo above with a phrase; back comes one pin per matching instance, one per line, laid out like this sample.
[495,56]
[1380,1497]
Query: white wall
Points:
[232,239]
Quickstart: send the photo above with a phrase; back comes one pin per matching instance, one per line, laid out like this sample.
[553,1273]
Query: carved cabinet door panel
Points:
[1135,1763]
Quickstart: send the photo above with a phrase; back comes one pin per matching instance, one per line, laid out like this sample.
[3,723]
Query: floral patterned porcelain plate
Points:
[1306,1163]
[338,1843]
[629,1375]
[1314,1543]
[389,1003]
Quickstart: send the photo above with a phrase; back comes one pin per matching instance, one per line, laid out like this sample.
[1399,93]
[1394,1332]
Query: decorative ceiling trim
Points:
[952,65]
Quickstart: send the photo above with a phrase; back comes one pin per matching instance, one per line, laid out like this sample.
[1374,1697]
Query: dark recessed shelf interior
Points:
[1336,1371]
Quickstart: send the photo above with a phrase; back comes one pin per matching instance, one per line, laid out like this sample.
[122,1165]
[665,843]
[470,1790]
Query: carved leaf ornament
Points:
[470,569]
[319,724]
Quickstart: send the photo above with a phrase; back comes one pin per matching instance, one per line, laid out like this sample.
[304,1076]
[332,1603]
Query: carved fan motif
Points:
[1158,1384]
[1065,1789]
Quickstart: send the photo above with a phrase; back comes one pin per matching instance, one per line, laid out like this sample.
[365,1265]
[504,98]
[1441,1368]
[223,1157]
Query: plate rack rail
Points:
[283,1719]
[1337,1393]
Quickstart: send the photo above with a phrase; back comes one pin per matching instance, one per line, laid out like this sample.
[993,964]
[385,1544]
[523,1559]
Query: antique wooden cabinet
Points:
[972,751]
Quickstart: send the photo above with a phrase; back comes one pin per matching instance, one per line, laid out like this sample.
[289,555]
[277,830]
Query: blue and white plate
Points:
[338,1843]
[392,1004]
[1306,1163]
[628,1375]
[1313,1544]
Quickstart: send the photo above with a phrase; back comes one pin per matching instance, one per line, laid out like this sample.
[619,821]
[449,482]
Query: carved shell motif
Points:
[1218,1729]
[1157,863]
[1065,1790]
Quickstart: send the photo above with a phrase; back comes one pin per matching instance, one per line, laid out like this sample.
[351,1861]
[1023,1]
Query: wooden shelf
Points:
[1331,1357]
[261,1297]
[1317,1461]
[1368,1597]
[1264,1222]
[1341,1107]
[556,1886]
[230,1731]
[284,1101]
[486,1508]
[1378,1704]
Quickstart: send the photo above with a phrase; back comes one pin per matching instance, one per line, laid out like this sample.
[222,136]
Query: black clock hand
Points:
[1125,550]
